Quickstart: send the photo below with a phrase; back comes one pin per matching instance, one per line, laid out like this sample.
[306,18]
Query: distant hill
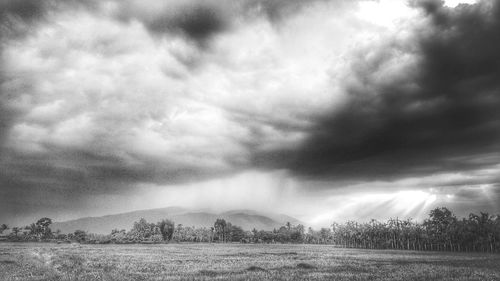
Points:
[247,219]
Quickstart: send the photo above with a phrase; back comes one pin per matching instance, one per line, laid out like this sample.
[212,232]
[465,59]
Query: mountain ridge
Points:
[247,219]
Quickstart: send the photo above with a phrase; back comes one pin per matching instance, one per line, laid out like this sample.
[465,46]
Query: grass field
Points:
[42,261]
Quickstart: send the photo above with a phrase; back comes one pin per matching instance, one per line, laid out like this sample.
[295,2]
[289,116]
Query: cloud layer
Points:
[424,100]
[99,98]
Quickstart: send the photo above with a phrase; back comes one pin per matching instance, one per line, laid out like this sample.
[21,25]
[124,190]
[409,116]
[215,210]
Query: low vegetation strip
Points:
[442,231]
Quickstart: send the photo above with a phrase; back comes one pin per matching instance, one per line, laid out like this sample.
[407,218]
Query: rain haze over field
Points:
[323,110]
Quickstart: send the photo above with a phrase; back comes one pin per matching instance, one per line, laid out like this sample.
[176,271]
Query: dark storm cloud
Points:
[19,17]
[73,168]
[32,10]
[15,16]
[7,114]
[27,10]
[63,180]
[6,118]
[199,20]
[278,10]
[196,20]
[439,114]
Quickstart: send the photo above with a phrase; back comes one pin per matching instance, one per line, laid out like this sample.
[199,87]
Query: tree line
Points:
[441,231]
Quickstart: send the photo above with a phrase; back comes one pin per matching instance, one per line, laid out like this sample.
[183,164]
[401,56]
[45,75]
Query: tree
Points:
[32,229]
[179,234]
[80,236]
[59,235]
[142,230]
[220,229]
[227,232]
[118,236]
[439,225]
[3,227]
[167,228]
[43,229]
[236,233]
[324,235]
[255,233]
[16,230]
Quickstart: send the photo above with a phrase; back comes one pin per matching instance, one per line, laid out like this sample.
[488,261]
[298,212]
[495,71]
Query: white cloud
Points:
[88,81]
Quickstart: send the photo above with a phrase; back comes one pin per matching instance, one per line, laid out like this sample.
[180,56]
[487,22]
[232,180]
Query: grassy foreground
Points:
[42,261]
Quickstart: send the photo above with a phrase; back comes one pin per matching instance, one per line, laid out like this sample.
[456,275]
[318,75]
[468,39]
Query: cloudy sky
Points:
[321,109]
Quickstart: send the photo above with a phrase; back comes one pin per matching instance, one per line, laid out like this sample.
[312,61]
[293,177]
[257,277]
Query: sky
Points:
[326,110]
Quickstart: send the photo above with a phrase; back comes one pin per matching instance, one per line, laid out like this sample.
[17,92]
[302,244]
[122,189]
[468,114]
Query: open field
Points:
[44,261]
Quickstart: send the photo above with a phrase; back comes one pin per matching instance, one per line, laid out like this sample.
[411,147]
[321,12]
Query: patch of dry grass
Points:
[32,261]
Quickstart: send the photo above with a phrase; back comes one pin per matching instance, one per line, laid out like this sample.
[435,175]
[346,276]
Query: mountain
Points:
[282,218]
[247,219]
